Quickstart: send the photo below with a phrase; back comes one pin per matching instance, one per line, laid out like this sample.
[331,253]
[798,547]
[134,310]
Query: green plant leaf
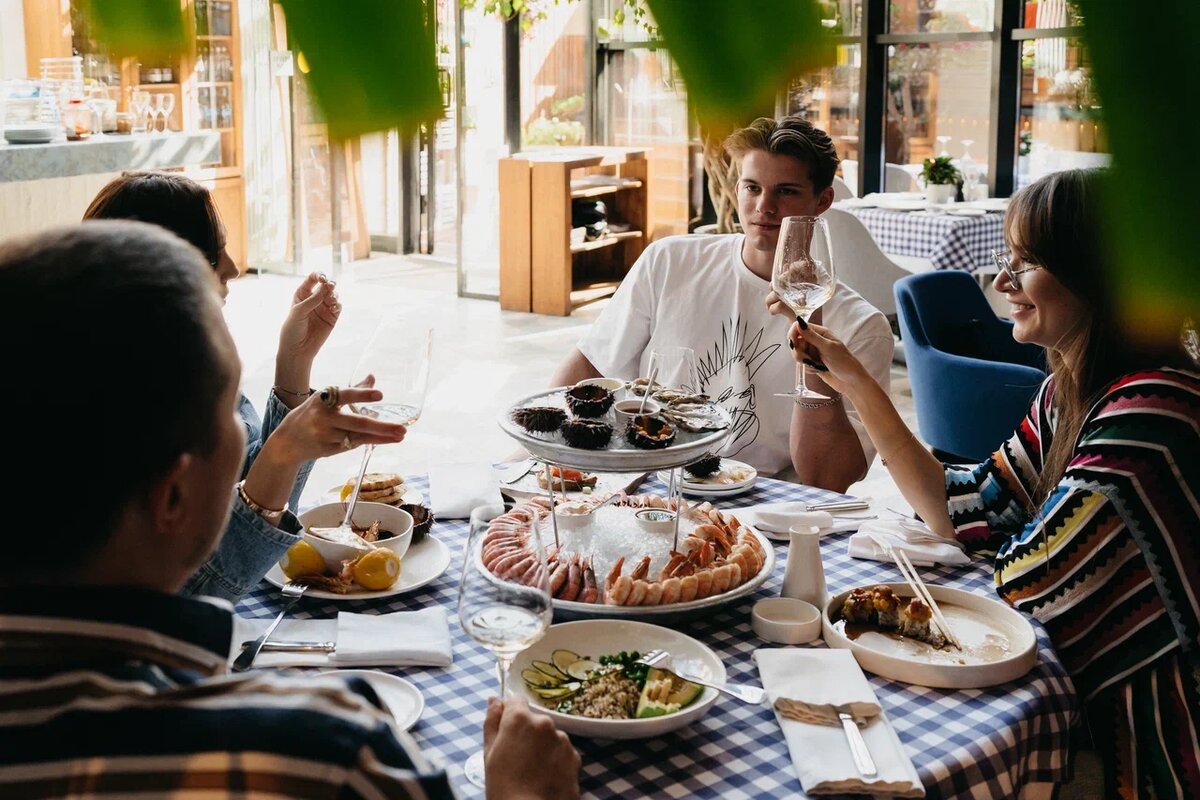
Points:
[1145,97]
[371,64]
[148,29]
[734,59]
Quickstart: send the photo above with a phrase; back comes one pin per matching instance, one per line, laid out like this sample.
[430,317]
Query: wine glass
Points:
[165,103]
[504,612]
[675,368]
[943,141]
[803,275]
[970,170]
[140,100]
[397,358]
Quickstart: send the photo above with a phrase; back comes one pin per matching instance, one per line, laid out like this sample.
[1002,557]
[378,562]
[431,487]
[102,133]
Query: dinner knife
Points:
[295,647]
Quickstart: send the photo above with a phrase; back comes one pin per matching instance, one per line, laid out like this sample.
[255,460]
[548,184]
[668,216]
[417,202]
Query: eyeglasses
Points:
[1004,264]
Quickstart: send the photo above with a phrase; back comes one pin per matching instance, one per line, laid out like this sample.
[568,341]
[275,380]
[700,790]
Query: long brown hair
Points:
[1056,223]
[168,200]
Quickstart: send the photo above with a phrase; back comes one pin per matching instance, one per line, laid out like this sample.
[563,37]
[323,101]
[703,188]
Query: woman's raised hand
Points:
[310,320]
[815,346]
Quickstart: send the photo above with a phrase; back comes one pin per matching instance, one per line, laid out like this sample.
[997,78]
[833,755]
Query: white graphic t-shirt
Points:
[695,291]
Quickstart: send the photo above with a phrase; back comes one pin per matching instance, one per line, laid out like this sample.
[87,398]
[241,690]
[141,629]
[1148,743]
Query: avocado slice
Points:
[653,701]
[677,691]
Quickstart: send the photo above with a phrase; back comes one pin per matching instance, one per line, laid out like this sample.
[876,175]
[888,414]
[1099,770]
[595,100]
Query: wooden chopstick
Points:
[918,586]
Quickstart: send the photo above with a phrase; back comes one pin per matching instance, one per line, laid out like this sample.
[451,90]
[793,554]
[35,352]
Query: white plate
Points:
[334,495]
[399,697]
[619,456]
[903,205]
[424,563]
[972,617]
[966,212]
[606,483]
[712,486]
[604,637]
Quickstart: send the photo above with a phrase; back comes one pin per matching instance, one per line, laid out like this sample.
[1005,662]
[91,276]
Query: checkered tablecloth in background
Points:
[948,240]
[983,743]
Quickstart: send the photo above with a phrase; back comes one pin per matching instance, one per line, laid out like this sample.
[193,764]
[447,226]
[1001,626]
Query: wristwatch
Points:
[271,515]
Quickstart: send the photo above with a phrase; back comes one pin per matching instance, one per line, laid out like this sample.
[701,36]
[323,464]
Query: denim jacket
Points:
[250,544]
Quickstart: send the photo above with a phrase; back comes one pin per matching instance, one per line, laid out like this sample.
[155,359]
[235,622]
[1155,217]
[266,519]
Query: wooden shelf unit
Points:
[537,259]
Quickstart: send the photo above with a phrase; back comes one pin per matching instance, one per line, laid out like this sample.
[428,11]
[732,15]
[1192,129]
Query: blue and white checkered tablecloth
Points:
[950,241]
[983,743]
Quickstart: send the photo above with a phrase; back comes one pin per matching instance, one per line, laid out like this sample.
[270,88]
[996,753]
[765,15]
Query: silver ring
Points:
[346,444]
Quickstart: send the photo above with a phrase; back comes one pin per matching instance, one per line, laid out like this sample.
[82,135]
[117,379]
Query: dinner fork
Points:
[293,591]
[514,472]
[661,659]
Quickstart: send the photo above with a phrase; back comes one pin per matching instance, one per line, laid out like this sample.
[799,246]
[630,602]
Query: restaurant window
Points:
[940,16]
[829,99]
[554,78]
[937,102]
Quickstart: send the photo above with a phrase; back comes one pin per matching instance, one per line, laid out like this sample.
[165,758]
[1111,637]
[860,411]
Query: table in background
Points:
[949,241]
[968,743]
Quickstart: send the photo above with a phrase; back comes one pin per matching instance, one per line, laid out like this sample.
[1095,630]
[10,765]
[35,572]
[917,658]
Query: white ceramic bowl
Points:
[785,620]
[599,637]
[330,515]
[973,618]
[628,409]
[571,522]
[655,520]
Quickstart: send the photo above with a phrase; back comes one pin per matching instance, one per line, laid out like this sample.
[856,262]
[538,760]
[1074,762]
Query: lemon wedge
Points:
[377,570]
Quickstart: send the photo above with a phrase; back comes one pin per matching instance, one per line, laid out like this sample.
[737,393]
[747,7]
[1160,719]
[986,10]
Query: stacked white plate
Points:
[713,486]
[30,133]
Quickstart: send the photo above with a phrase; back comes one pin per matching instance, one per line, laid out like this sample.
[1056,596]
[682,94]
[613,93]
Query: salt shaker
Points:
[804,575]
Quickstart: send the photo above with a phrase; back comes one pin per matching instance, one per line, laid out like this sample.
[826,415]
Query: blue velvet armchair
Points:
[971,381]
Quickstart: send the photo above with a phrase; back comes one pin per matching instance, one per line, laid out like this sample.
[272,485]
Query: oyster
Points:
[539,419]
[704,466]
[649,433]
[589,400]
[587,434]
[695,415]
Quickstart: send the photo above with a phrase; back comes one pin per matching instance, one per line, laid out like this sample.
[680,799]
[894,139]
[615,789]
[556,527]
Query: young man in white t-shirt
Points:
[713,294]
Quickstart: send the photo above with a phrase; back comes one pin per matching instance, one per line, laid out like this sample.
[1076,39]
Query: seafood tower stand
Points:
[583,428]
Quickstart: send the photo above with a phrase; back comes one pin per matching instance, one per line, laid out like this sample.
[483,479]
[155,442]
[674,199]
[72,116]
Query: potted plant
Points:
[941,179]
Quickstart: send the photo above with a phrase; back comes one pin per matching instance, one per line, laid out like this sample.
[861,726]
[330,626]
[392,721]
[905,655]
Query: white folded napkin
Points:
[402,638]
[923,546]
[456,489]
[820,753]
[774,519]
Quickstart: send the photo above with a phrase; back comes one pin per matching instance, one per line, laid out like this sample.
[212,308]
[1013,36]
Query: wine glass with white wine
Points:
[803,275]
[507,610]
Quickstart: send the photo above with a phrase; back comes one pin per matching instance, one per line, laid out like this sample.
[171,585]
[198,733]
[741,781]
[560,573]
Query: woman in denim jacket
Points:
[299,426]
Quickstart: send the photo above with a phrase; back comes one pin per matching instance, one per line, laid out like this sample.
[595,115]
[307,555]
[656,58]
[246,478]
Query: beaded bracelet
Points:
[837,398]
[271,515]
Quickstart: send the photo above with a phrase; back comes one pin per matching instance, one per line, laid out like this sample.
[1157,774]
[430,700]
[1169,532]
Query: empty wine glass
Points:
[166,104]
[140,100]
[675,368]
[970,170]
[803,275]
[943,141]
[504,612]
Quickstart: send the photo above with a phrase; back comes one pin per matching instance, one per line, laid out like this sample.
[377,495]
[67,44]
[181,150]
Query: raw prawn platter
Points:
[579,427]
[613,566]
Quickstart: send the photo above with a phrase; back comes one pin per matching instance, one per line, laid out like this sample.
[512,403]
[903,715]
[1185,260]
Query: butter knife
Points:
[295,647]
[858,746]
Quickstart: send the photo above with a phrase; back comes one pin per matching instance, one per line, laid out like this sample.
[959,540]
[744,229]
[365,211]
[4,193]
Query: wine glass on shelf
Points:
[140,100]
[165,103]
[675,368]
[803,275]
[505,612]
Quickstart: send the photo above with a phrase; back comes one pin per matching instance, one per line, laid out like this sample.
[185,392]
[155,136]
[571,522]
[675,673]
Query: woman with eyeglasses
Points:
[1092,505]
[299,426]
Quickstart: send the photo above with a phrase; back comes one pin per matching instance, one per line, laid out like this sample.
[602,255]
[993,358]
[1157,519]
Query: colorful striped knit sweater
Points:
[1110,564]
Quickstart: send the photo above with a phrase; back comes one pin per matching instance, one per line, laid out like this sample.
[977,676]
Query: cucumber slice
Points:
[557,693]
[552,671]
[563,659]
[535,677]
[582,668]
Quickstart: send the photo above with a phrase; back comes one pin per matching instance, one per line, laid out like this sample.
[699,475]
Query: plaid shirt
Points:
[116,692]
